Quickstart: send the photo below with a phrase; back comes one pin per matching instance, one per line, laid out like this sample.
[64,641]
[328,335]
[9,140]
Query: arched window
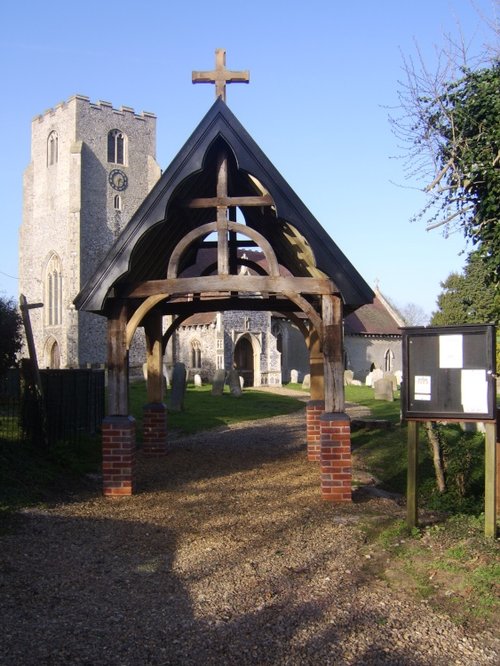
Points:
[389,360]
[195,354]
[117,202]
[52,148]
[117,147]
[53,291]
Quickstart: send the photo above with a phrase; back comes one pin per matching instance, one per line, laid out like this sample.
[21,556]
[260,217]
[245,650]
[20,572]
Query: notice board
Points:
[449,373]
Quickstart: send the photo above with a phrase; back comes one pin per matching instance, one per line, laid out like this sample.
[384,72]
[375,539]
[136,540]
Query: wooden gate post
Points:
[155,412]
[118,429]
[316,405]
[335,453]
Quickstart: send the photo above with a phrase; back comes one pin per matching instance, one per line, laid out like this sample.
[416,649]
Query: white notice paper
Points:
[451,351]
[422,387]
[474,391]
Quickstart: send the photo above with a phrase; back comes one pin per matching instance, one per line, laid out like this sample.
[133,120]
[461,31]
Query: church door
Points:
[243,360]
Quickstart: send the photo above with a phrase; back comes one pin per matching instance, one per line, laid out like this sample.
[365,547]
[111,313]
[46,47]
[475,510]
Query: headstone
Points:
[197,380]
[178,388]
[218,382]
[234,383]
[399,376]
[306,384]
[376,375]
[383,390]
[166,374]
[369,379]
[242,382]
[356,382]
[145,371]
[392,377]
[348,377]
[294,376]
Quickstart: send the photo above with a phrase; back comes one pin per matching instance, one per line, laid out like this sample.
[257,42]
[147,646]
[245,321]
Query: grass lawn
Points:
[203,411]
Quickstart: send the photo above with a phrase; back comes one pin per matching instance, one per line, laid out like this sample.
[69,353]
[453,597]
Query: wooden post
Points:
[118,360]
[333,353]
[316,367]
[154,351]
[411,482]
[490,464]
[222,232]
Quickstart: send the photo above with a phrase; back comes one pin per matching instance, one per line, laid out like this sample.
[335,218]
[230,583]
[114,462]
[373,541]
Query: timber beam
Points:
[248,284]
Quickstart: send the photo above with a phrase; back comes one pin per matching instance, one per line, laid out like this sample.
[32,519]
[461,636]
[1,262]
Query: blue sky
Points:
[322,77]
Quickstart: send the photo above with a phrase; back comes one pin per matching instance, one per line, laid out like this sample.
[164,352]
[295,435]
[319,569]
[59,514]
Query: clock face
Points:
[118,180]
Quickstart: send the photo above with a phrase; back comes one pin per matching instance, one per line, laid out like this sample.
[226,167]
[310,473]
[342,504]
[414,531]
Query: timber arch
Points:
[221,194]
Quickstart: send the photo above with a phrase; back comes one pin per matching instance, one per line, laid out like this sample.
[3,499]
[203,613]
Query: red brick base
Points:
[314,409]
[118,456]
[335,457]
[155,429]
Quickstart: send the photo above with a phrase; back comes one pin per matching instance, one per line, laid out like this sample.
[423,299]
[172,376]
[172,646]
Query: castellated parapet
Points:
[73,213]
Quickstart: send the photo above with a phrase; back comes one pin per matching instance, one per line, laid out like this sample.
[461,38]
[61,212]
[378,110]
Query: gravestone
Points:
[218,382]
[145,371]
[306,384]
[234,383]
[242,381]
[369,379]
[376,375]
[383,390]
[197,380]
[167,373]
[178,388]
[348,377]
[392,377]
[294,376]
[399,377]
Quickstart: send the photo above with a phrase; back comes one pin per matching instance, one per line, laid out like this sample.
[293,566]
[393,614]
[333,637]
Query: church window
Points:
[220,361]
[52,148]
[389,360]
[117,202]
[53,292]
[195,354]
[117,147]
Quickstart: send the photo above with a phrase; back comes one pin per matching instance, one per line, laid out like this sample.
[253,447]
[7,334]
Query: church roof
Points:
[142,251]
[377,318]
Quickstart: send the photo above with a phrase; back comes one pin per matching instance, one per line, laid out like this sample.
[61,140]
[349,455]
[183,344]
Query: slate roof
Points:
[142,250]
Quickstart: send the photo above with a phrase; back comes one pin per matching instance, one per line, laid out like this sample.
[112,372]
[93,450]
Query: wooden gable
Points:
[196,200]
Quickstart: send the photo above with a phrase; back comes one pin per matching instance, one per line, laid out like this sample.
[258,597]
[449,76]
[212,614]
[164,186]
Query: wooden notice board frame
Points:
[449,375]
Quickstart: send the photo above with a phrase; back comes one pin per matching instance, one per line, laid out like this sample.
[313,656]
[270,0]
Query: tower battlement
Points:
[100,105]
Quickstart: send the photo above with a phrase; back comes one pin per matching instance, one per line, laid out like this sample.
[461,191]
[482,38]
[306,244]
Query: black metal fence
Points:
[72,406]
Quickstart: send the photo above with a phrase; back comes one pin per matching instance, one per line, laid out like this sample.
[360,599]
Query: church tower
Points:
[91,167]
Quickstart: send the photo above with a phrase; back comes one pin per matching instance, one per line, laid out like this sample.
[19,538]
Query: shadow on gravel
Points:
[100,591]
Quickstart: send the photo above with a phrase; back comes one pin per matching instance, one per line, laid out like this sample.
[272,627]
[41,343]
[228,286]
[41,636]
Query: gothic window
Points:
[53,292]
[195,354]
[117,202]
[52,148]
[388,360]
[117,147]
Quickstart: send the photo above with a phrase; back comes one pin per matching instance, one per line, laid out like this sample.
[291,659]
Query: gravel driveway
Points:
[227,555]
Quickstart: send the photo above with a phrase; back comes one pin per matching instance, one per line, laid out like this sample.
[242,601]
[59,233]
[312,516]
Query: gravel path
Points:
[227,555]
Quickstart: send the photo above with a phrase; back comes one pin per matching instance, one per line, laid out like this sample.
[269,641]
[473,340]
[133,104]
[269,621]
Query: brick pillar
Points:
[335,457]
[118,456]
[314,409]
[154,440]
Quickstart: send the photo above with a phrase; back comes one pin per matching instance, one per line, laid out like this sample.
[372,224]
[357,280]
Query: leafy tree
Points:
[466,299]
[450,128]
[10,334]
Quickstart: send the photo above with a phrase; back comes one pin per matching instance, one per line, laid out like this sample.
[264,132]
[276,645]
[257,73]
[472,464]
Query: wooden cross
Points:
[220,75]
